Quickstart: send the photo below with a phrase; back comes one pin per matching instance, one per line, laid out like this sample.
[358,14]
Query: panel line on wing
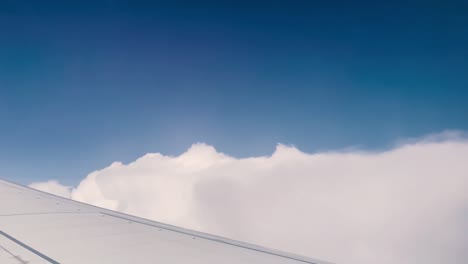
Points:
[29,248]
[48,213]
[208,238]
[18,258]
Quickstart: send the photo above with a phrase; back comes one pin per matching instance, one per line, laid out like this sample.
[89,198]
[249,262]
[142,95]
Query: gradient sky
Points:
[86,83]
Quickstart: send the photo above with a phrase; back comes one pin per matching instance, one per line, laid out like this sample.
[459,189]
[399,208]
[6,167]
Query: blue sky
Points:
[85,83]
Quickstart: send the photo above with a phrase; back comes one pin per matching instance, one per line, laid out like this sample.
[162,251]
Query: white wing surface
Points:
[36,227]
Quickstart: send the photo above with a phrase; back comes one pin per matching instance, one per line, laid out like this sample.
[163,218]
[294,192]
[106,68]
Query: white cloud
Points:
[405,205]
[53,187]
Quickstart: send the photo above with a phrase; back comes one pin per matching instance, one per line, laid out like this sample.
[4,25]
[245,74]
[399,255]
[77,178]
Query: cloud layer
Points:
[405,205]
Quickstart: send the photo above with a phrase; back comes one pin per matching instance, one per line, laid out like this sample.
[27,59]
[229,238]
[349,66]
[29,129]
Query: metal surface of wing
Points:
[36,227]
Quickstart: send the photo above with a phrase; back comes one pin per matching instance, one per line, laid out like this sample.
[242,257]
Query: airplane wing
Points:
[37,227]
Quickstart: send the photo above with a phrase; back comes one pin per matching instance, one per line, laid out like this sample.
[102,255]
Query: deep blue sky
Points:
[86,83]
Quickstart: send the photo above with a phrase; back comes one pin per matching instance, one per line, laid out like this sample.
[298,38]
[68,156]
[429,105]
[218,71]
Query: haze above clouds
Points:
[408,204]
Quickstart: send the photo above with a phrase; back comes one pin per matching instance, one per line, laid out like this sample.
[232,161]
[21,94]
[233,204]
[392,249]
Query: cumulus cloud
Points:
[404,205]
[53,187]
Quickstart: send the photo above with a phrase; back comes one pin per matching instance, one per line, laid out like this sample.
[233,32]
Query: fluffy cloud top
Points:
[405,205]
[53,187]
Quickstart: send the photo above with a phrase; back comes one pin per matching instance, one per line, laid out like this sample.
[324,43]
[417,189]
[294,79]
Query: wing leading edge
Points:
[37,227]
